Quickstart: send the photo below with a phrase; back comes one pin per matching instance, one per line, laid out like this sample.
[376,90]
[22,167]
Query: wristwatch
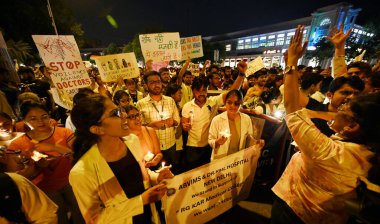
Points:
[290,68]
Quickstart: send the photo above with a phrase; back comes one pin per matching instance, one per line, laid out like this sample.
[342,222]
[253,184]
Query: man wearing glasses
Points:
[160,112]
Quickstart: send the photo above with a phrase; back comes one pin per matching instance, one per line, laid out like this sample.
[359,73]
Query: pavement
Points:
[255,209]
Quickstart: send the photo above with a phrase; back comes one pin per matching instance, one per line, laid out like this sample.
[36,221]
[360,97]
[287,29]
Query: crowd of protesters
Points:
[97,162]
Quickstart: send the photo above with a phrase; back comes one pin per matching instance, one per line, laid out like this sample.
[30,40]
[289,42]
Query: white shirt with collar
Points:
[201,119]
[219,124]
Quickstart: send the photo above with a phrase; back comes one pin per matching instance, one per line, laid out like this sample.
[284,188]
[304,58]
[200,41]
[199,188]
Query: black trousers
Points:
[197,156]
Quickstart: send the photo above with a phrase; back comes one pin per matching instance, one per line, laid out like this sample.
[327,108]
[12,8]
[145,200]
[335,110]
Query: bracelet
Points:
[241,74]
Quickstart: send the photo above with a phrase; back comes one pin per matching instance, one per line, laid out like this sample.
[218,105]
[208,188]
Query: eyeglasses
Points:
[44,118]
[134,116]
[117,112]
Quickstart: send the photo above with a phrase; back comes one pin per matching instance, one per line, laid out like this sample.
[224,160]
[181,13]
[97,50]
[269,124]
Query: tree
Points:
[22,18]
[112,49]
[134,46]
[324,49]
[20,50]
[370,42]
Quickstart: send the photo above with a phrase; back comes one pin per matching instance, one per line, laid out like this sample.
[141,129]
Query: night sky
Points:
[192,17]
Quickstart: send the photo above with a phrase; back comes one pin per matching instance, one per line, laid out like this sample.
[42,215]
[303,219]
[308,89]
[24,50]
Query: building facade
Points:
[270,42]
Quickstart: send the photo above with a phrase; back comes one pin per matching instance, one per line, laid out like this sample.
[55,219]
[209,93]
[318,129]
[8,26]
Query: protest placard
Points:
[201,194]
[113,66]
[161,46]
[62,55]
[194,69]
[254,66]
[191,47]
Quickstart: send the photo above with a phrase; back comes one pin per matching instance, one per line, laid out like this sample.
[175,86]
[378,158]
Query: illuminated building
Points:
[270,42]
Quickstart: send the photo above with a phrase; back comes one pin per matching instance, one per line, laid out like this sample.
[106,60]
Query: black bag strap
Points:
[10,200]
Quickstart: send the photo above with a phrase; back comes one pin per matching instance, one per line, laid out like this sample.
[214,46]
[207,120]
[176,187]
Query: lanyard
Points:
[162,110]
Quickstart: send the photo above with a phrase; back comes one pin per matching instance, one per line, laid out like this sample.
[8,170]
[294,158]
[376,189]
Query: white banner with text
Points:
[202,194]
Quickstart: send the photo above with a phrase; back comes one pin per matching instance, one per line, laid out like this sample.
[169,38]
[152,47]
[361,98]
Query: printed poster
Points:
[202,194]
[160,47]
[254,66]
[62,55]
[191,47]
[111,67]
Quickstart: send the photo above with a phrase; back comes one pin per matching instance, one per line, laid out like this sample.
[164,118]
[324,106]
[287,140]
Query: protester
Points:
[7,135]
[175,92]
[22,202]
[231,130]
[147,136]
[196,118]
[324,172]
[160,112]
[121,98]
[109,179]
[54,142]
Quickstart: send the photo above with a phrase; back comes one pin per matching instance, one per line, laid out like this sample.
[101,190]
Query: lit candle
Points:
[148,157]
[37,156]
[191,117]
[163,167]
[225,133]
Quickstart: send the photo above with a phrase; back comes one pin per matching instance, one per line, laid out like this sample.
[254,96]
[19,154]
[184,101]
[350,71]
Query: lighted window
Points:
[263,41]
[280,39]
[240,45]
[247,44]
[228,47]
[255,42]
[271,40]
[288,36]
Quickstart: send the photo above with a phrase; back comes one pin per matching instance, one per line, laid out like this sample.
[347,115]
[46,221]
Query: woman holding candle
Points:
[109,179]
[150,145]
[230,130]
[54,170]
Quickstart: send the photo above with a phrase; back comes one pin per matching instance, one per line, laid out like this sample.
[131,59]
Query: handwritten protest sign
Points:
[62,55]
[111,67]
[161,46]
[254,66]
[201,194]
[191,47]
[194,69]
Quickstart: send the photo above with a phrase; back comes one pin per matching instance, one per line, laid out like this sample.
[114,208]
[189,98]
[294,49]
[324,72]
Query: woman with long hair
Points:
[231,130]
[54,142]
[109,179]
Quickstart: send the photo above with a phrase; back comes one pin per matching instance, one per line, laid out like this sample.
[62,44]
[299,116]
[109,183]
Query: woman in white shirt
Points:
[230,130]
[109,179]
